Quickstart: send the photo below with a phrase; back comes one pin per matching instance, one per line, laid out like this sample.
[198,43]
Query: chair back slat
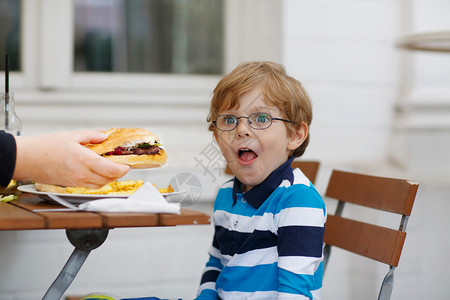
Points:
[375,242]
[388,194]
[308,167]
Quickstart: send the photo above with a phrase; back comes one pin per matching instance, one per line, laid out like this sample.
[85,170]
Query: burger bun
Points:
[128,137]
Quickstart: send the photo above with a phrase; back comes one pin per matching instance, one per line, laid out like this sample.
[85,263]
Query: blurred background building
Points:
[381,100]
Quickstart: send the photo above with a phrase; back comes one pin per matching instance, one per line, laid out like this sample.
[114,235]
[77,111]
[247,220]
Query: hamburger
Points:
[136,147]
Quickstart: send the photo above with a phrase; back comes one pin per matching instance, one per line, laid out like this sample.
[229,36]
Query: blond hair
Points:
[278,88]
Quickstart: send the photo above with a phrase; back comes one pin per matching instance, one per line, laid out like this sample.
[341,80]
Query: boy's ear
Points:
[299,137]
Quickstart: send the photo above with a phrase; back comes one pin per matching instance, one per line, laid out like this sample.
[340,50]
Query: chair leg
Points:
[387,285]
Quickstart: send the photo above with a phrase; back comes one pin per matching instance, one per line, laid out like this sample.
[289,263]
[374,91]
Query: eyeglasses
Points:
[256,121]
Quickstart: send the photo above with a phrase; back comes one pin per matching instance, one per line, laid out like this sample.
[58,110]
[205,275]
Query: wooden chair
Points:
[375,242]
[308,167]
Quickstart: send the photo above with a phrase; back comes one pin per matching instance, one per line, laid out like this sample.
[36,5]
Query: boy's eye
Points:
[261,118]
[229,120]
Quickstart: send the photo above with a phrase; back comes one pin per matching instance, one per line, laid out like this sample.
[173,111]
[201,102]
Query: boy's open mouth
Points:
[246,155]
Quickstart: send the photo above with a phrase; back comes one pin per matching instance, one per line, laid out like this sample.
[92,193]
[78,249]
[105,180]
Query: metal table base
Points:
[84,240]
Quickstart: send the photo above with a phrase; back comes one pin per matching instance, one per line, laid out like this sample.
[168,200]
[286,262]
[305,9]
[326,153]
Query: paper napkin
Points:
[146,199]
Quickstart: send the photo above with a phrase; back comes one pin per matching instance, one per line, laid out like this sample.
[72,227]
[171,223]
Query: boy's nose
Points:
[243,129]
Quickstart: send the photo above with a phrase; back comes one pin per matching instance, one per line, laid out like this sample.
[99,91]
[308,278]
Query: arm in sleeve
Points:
[7,157]
[207,289]
[301,219]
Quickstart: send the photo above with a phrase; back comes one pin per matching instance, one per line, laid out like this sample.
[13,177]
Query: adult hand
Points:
[60,158]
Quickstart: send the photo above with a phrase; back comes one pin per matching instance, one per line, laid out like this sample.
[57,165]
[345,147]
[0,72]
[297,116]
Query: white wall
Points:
[423,114]
[342,51]
[379,110]
[344,54]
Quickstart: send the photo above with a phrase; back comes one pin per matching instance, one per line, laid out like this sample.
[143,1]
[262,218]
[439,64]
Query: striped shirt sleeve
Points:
[207,289]
[300,221]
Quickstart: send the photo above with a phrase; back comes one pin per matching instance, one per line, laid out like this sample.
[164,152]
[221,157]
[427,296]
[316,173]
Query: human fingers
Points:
[95,180]
[83,167]
[93,170]
[107,168]
[90,136]
[84,176]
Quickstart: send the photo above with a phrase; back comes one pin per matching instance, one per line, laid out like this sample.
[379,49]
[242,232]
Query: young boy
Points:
[269,220]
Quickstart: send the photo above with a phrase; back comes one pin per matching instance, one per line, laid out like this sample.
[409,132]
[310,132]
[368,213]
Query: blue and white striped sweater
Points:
[267,248]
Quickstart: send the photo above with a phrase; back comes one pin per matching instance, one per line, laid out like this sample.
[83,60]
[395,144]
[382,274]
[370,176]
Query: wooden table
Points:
[85,230]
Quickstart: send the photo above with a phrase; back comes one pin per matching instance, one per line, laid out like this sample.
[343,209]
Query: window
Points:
[10,33]
[149,36]
[66,49]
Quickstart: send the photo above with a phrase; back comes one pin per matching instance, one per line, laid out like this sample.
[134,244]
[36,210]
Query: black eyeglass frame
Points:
[249,121]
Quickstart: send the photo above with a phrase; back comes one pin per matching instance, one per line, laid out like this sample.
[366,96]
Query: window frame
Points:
[47,29]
